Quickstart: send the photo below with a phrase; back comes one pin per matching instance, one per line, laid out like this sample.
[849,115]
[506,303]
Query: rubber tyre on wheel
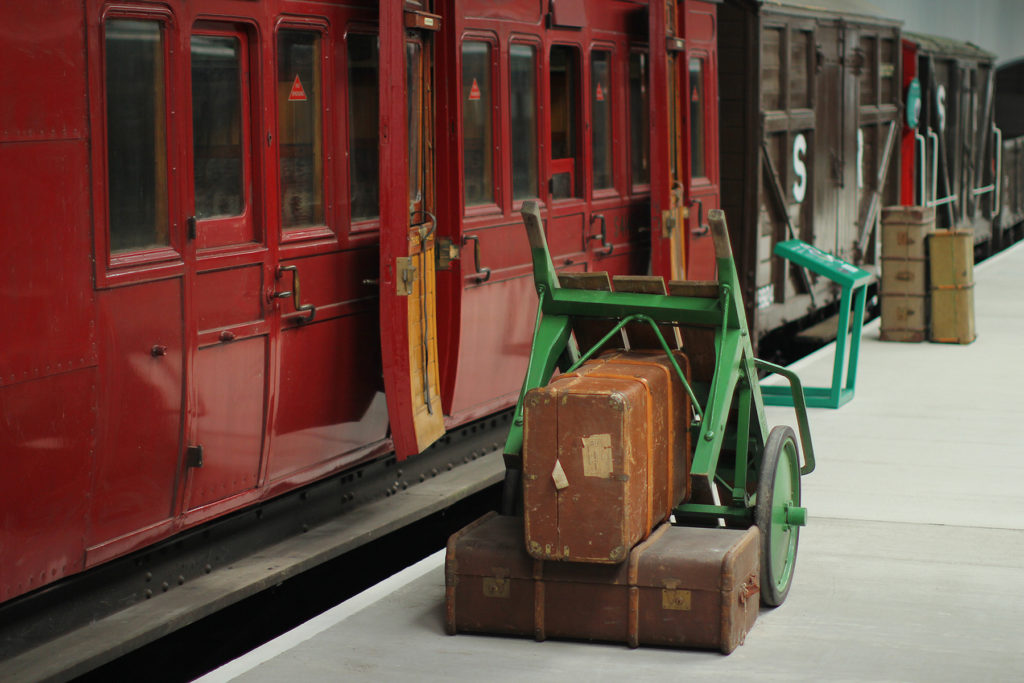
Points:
[778,487]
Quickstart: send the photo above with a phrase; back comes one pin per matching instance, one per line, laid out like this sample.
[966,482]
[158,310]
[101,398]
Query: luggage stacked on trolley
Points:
[656,506]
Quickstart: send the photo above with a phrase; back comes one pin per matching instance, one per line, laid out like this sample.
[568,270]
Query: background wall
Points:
[994,25]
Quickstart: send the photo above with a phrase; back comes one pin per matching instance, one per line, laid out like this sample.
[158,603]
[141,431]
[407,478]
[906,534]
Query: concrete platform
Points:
[911,567]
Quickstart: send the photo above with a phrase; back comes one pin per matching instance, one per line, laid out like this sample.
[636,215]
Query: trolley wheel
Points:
[778,514]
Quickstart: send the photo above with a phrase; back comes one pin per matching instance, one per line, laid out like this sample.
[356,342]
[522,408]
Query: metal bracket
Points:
[406,273]
[668,222]
[447,251]
[194,456]
[424,21]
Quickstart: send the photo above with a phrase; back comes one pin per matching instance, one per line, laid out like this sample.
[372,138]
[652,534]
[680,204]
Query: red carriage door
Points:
[700,102]
[668,212]
[229,269]
[407,284]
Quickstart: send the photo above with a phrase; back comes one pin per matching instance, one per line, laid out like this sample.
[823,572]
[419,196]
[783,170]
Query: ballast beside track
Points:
[90,620]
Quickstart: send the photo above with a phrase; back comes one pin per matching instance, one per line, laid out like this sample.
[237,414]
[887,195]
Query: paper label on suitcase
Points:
[597,456]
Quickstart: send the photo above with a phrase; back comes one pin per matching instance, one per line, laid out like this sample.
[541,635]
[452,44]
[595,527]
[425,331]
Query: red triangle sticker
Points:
[695,97]
[474,92]
[297,94]
[599,96]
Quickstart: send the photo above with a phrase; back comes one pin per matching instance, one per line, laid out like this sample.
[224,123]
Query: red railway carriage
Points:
[555,102]
[249,245]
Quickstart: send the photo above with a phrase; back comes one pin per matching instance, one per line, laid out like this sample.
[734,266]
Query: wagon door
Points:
[407,283]
[229,268]
[701,168]
[878,129]
[668,208]
[830,137]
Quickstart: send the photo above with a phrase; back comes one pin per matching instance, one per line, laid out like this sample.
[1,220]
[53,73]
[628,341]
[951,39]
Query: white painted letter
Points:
[799,168]
[940,101]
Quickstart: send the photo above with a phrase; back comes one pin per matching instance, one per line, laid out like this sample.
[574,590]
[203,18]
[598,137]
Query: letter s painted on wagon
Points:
[799,168]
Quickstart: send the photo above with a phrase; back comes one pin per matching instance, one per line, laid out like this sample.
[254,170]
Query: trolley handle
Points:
[799,405]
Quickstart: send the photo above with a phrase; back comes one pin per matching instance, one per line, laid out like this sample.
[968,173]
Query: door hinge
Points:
[194,456]
[406,275]
[191,223]
[447,251]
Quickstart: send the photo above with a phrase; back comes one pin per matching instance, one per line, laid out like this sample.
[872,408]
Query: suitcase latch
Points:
[675,599]
[496,587]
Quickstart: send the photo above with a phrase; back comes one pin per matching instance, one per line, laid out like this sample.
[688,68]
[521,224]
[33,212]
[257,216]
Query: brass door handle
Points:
[702,227]
[295,294]
[603,236]
[482,274]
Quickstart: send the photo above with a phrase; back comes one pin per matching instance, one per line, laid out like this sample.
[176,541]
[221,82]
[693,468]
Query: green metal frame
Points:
[853,283]
[734,380]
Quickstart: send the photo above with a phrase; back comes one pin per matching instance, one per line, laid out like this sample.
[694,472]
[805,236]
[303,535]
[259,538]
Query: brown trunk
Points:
[606,456]
[682,587]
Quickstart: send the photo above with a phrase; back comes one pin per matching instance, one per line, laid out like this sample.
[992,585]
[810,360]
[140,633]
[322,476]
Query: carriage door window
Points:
[523,63]
[477,148]
[300,129]
[697,130]
[564,81]
[219,134]
[363,117]
[639,133]
[601,107]
[136,135]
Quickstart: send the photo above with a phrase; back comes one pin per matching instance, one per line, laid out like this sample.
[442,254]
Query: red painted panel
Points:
[565,236]
[48,309]
[230,381]
[502,247]
[333,278]
[496,342]
[569,13]
[700,249]
[43,76]
[528,11]
[47,432]
[229,297]
[140,399]
[331,399]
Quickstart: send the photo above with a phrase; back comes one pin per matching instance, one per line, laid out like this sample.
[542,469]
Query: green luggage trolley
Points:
[742,473]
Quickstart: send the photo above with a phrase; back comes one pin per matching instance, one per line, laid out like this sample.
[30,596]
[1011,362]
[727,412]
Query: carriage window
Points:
[523,104]
[564,81]
[477,148]
[601,106]
[300,131]
[697,129]
[136,135]
[639,133]
[363,116]
[217,126]
[414,119]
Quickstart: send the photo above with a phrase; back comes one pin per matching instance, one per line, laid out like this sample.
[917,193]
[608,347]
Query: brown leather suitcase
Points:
[682,587]
[606,456]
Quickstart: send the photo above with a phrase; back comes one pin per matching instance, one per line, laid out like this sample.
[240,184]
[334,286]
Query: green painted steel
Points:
[730,446]
[853,283]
